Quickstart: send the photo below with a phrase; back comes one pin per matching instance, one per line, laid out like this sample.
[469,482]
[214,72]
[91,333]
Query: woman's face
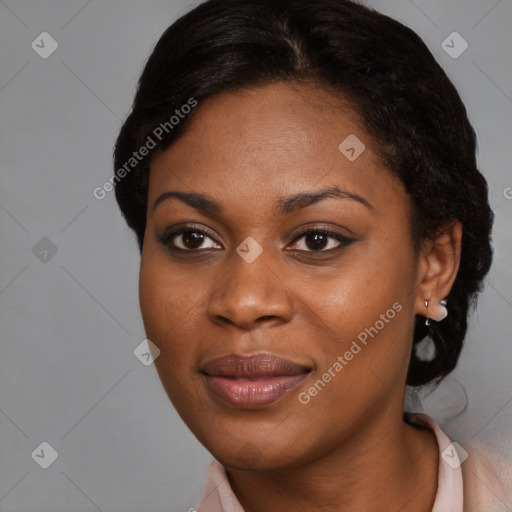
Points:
[245,280]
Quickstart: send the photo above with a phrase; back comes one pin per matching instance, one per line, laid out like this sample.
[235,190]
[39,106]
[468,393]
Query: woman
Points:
[301,177]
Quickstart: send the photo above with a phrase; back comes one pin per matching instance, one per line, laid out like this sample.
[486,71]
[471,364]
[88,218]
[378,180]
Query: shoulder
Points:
[487,474]
[485,469]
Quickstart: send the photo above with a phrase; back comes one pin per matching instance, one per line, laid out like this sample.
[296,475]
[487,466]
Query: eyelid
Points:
[323,227]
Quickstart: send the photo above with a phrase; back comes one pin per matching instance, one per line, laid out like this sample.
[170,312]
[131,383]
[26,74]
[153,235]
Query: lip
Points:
[252,382]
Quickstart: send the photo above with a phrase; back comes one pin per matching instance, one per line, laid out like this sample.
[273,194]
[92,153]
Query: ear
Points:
[438,266]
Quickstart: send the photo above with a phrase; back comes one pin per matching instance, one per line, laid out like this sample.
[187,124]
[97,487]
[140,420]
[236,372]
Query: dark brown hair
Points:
[411,109]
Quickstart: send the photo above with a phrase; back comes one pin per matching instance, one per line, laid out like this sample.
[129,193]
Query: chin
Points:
[251,458]
[245,450]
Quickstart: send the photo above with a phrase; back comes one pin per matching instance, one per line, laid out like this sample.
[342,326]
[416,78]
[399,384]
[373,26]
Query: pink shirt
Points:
[219,497]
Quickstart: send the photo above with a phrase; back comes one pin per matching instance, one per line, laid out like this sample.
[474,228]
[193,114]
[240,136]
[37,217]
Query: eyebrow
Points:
[284,205]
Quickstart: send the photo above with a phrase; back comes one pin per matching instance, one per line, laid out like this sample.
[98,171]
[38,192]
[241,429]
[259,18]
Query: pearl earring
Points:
[439,313]
[443,312]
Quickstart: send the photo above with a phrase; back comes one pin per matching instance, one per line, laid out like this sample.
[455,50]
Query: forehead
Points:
[273,140]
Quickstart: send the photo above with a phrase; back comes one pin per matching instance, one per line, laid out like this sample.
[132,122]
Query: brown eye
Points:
[316,240]
[188,239]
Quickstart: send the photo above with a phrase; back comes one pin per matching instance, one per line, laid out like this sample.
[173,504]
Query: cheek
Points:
[167,300]
[367,317]
[361,367]
[153,295]
[168,305]
[352,298]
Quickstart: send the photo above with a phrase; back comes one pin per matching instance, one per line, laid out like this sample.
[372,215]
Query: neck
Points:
[388,465]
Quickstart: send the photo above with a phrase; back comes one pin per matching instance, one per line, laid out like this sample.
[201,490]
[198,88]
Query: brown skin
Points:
[348,448]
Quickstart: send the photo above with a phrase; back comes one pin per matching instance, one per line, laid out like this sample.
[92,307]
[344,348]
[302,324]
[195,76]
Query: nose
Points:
[250,294]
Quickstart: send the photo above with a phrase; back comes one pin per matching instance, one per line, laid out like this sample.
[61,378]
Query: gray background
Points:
[70,323]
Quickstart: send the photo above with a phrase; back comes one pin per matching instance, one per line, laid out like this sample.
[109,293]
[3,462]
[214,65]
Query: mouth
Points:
[252,382]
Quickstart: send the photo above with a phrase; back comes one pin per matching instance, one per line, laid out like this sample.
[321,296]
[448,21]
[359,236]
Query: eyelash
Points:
[167,238]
